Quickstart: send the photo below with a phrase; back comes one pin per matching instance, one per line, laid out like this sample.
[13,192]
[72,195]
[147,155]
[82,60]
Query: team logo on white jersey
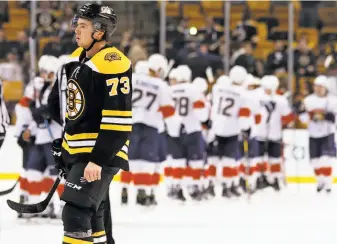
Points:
[75,100]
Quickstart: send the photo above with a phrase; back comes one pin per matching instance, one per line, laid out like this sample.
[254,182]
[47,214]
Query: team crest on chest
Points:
[112,56]
[75,100]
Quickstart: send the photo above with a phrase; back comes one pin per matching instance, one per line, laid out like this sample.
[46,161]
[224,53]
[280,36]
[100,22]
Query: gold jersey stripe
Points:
[116,127]
[82,136]
[99,233]
[76,150]
[70,240]
[117,113]
[123,155]
[127,142]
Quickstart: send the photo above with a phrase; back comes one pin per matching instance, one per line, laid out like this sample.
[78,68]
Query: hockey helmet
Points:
[103,19]
[270,82]
[238,74]
[142,67]
[223,80]
[322,80]
[64,59]
[173,74]
[184,73]
[158,63]
[201,84]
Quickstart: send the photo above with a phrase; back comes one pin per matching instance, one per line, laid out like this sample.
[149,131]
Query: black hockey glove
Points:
[245,134]
[40,114]
[56,151]
[330,117]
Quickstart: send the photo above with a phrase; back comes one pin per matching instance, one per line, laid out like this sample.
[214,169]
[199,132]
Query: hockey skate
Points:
[276,185]
[234,191]
[180,195]
[196,194]
[124,196]
[225,191]
[210,189]
[142,198]
[152,198]
[243,184]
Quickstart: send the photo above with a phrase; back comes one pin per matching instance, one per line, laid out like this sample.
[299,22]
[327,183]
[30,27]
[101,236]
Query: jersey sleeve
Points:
[166,104]
[199,105]
[116,122]
[286,113]
[54,103]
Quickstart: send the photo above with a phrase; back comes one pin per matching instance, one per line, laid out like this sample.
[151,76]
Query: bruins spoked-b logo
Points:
[75,100]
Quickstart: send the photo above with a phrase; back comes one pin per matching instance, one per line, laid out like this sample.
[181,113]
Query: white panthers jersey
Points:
[314,103]
[190,105]
[253,98]
[230,112]
[42,134]
[275,111]
[150,96]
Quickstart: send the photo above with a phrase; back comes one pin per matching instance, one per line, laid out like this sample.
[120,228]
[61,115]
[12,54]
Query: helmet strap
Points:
[93,42]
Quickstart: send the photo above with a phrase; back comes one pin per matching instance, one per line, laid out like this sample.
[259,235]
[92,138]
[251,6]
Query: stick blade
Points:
[9,190]
[26,208]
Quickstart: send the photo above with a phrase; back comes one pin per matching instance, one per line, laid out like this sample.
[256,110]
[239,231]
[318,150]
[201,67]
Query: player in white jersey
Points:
[4,117]
[188,147]
[318,111]
[150,96]
[141,68]
[41,172]
[276,113]
[250,164]
[230,115]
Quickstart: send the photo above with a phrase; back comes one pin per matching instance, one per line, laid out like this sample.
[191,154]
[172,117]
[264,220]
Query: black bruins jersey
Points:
[98,118]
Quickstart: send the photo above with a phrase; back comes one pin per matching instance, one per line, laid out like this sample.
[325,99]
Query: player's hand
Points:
[92,172]
[26,135]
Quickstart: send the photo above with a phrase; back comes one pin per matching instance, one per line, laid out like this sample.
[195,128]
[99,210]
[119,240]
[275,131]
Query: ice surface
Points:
[297,215]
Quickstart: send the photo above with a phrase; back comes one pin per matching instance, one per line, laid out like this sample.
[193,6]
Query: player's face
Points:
[173,82]
[83,31]
[320,90]
[268,91]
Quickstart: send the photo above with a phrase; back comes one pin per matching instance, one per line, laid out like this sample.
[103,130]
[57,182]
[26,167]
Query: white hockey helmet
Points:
[64,59]
[174,74]
[158,63]
[184,73]
[142,67]
[223,80]
[201,84]
[270,82]
[238,74]
[322,80]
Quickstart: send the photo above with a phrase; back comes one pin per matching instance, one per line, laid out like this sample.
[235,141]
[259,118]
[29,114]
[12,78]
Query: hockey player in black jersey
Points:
[98,123]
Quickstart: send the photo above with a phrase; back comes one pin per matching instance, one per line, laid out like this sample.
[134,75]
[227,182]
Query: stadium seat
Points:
[258,6]
[13,90]
[191,10]
[173,9]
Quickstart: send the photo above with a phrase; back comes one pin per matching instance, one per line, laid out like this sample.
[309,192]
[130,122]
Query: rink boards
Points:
[295,153]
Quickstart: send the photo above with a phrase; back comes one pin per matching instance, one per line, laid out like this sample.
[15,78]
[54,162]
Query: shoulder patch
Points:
[77,52]
[109,61]
[112,56]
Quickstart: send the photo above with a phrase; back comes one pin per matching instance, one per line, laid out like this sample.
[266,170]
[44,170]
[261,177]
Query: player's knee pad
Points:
[77,221]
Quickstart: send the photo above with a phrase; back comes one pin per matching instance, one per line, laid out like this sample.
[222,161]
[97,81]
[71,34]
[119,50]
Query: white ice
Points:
[297,215]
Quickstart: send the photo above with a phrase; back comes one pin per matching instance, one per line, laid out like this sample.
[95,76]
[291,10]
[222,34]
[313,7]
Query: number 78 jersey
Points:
[230,110]
[151,96]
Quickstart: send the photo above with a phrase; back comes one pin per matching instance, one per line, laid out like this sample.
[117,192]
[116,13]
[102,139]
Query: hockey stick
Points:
[2,193]
[247,168]
[37,207]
